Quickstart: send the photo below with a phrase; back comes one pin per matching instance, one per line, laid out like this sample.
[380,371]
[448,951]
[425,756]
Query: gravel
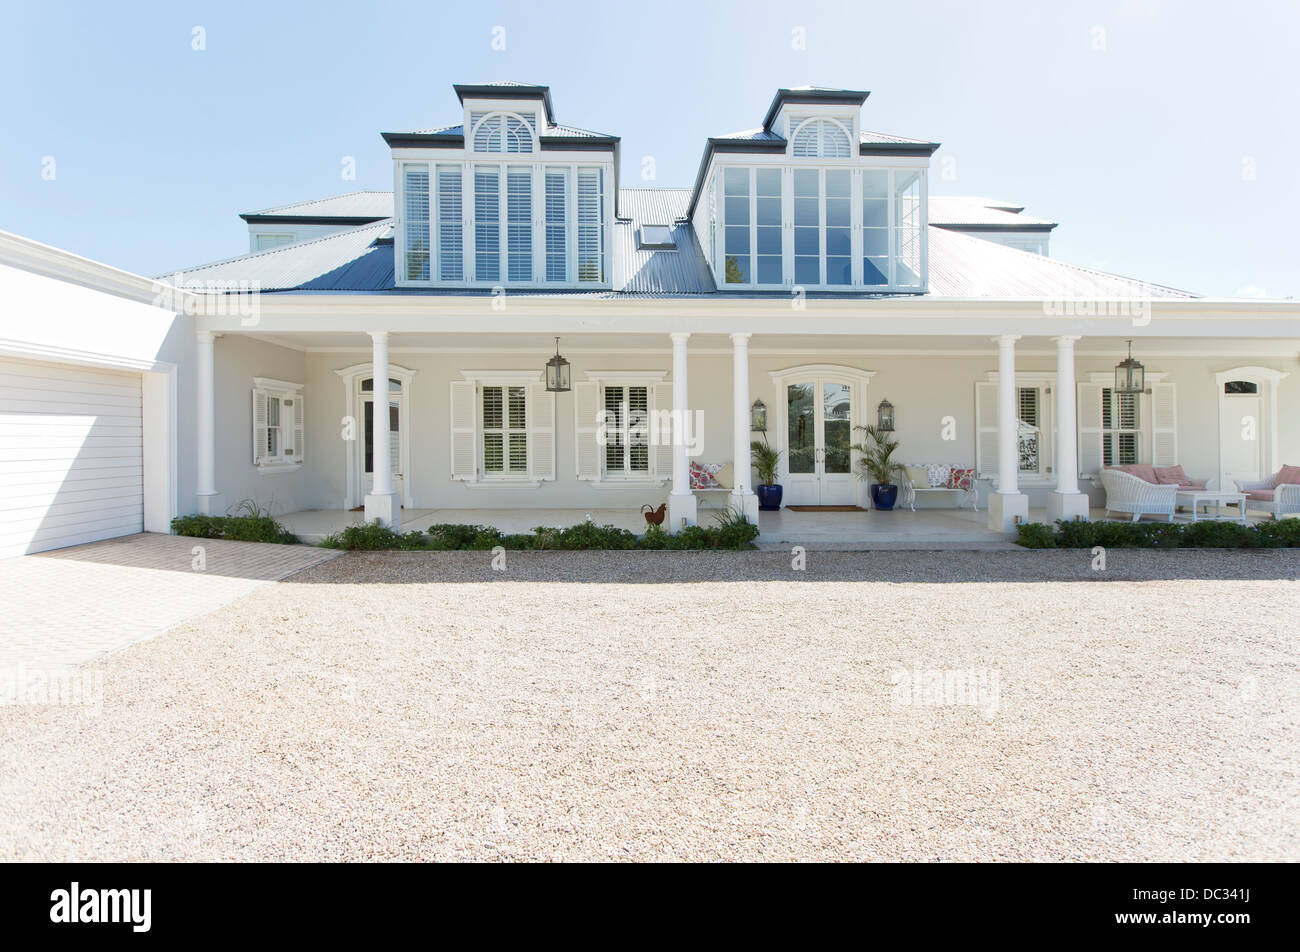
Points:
[691,706]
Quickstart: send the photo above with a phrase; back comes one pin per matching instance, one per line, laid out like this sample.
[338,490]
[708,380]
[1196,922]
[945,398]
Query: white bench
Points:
[710,492]
[910,490]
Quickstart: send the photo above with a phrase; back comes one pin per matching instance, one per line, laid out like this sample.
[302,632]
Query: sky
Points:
[1162,135]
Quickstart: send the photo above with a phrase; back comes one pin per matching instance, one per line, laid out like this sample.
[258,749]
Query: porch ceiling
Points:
[761,344]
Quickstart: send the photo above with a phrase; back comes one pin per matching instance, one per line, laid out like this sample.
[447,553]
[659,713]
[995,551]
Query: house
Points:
[806,268]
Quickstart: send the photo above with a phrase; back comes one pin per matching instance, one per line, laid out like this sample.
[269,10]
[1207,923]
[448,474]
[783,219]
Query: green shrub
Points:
[1280,533]
[588,535]
[1209,534]
[242,528]
[1219,535]
[654,538]
[1035,535]
[368,537]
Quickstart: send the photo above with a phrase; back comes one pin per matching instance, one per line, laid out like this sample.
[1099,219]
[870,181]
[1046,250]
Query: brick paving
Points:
[70,606]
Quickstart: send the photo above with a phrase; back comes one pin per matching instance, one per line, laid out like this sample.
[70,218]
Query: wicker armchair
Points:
[1272,496]
[1127,493]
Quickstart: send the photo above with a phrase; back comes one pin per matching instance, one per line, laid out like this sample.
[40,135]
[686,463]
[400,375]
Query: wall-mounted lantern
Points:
[758,417]
[885,416]
[558,377]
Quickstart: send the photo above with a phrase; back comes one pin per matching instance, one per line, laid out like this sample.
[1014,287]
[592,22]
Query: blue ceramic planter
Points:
[769,497]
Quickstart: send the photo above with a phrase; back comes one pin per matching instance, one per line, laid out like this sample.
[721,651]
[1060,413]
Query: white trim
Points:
[627,376]
[859,381]
[351,378]
[502,376]
[1268,380]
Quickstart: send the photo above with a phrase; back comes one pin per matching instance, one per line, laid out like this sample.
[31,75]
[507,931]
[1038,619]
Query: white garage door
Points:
[71,461]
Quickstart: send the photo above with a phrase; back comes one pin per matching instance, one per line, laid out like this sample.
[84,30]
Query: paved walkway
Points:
[70,606]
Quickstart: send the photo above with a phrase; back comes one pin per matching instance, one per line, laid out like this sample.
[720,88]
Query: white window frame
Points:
[628,433]
[656,393]
[288,398]
[986,420]
[536,472]
[505,429]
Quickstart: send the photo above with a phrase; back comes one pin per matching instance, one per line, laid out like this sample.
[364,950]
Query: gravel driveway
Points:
[707,706]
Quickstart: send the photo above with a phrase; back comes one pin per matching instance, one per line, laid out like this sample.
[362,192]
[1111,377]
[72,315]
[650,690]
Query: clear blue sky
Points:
[1138,149]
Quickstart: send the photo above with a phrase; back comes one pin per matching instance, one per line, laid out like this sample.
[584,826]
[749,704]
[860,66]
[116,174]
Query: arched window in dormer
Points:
[503,132]
[821,138]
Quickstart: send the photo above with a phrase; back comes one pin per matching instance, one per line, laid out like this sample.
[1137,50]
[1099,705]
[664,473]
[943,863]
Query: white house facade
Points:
[807,269]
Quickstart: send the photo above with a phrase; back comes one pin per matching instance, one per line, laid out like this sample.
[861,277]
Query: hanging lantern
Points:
[885,416]
[558,378]
[1130,376]
[758,417]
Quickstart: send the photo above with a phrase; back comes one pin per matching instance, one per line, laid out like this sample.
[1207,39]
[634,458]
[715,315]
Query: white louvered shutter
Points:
[663,449]
[1088,409]
[462,430]
[1164,425]
[586,404]
[986,428]
[299,442]
[259,425]
[394,442]
[541,432]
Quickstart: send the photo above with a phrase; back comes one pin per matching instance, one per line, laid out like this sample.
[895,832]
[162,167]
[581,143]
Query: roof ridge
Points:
[248,256]
[323,198]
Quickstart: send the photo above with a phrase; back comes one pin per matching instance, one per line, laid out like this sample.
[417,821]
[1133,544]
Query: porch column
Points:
[381,502]
[206,499]
[681,502]
[1008,506]
[1066,502]
[742,495]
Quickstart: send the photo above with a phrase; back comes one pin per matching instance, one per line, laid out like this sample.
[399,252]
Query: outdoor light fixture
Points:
[1130,376]
[885,416]
[557,372]
[758,417]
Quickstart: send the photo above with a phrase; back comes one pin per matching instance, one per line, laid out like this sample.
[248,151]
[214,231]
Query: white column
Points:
[206,423]
[1066,502]
[681,502]
[742,495]
[1008,505]
[381,502]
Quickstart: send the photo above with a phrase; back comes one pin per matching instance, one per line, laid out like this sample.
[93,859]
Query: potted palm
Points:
[876,463]
[765,459]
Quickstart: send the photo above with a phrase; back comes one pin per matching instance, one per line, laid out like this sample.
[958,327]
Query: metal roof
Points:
[658,271]
[964,211]
[367,204]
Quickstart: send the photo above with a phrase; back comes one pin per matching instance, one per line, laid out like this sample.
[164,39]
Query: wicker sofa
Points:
[1145,490]
[1278,495]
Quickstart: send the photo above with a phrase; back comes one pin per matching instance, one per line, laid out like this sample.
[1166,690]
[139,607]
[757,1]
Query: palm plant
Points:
[765,459]
[876,456]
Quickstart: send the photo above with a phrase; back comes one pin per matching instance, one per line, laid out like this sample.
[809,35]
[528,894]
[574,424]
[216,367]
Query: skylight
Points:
[657,237]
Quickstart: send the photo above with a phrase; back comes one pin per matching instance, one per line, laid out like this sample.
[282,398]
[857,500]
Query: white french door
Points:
[396,429]
[819,416]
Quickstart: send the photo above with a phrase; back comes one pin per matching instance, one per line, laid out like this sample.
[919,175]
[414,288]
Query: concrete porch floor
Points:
[897,529]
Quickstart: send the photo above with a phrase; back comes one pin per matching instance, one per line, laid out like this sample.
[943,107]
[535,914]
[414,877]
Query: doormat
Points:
[825,508]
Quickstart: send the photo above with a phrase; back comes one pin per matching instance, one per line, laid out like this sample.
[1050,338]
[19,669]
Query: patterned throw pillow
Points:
[701,478]
[938,475]
[961,479]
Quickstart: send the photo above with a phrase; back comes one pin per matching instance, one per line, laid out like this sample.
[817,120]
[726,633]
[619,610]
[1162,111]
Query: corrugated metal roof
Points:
[658,271]
[974,211]
[363,204]
[752,135]
[884,138]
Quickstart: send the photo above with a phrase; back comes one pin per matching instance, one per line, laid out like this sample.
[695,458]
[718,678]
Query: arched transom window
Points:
[821,138]
[503,132]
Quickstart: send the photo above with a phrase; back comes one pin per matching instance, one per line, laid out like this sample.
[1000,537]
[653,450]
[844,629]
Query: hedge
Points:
[729,533]
[1211,534]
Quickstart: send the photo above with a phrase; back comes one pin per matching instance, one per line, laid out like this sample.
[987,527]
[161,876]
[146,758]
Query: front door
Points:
[395,429]
[1240,436]
[819,431]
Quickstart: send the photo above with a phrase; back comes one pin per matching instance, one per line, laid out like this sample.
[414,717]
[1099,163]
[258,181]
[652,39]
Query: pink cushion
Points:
[1172,475]
[961,479]
[1143,471]
[1263,495]
[1287,475]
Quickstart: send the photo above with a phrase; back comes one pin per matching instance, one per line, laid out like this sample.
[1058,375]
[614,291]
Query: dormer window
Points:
[656,238]
[819,138]
[502,133]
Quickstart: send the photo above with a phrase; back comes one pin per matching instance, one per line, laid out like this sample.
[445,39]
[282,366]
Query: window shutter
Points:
[259,425]
[1088,408]
[586,404]
[1164,421]
[541,432]
[462,430]
[299,442]
[395,442]
[663,450]
[986,428]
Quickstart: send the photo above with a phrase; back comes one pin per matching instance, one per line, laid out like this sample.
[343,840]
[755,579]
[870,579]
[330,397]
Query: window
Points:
[1029,431]
[487,223]
[591,225]
[656,237]
[505,431]
[557,225]
[907,231]
[807,227]
[394,427]
[1240,387]
[451,242]
[839,230]
[767,221]
[823,138]
[264,242]
[735,233]
[519,224]
[502,132]
[415,188]
[626,430]
[875,227]
[277,424]
[1121,431]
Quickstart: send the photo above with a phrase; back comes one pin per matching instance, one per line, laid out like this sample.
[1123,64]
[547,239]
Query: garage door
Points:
[71,462]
